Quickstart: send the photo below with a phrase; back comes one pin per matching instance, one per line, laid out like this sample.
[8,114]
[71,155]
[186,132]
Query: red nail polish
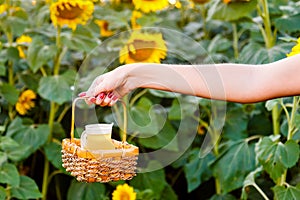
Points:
[92,99]
[82,94]
[109,95]
[101,95]
[114,98]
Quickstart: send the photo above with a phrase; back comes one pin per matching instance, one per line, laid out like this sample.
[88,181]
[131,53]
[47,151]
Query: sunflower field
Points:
[189,148]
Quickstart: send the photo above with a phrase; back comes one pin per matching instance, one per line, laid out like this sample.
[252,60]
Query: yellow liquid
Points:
[99,142]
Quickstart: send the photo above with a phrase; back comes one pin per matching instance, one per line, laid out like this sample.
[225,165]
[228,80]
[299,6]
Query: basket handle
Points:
[73,118]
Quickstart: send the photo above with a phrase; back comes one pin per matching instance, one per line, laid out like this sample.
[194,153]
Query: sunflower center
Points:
[141,49]
[124,196]
[69,11]
[105,25]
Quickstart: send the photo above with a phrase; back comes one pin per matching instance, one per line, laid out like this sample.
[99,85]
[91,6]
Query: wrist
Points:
[130,75]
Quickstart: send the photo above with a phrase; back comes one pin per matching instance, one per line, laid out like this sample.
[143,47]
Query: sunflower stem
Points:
[235,41]
[265,15]
[203,15]
[291,131]
[276,120]
[53,109]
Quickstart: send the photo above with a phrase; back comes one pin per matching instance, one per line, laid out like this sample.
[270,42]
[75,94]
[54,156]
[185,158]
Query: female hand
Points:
[107,88]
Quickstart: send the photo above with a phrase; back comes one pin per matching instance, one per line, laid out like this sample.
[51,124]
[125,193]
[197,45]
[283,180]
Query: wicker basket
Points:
[101,165]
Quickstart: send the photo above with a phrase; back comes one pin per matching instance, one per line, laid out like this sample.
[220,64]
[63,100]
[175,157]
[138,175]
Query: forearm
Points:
[230,82]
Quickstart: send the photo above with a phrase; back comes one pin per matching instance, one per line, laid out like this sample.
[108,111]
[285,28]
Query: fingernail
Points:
[98,99]
[92,99]
[112,103]
[114,98]
[101,95]
[109,95]
[82,94]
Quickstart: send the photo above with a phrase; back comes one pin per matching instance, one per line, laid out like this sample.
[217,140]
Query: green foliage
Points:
[9,93]
[31,136]
[26,190]
[10,175]
[290,192]
[55,88]
[232,11]
[86,191]
[40,54]
[199,166]
[276,157]
[233,164]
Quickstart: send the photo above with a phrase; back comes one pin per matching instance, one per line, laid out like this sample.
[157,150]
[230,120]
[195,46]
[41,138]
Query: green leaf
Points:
[168,193]
[148,20]
[2,69]
[55,88]
[254,53]
[80,40]
[151,180]
[235,124]
[232,11]
[9,174]
[290,192]
[30,80]
[18,22]
[116,19]
[39,54]
[12,53]
[182,107]
[197,169]
[291,156]
[147,120]
[233,164]
[270,104]
[276,157]
[2,193]
[222,197]
[33,136]
[218,44]
[163,139]
[70,76]
[53,153]
[85,191]
[3,158]
[288,24]
[14,151]
[10,93]
[26,190]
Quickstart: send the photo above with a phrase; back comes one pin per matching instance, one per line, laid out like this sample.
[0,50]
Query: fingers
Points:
[109,100]
[102,99]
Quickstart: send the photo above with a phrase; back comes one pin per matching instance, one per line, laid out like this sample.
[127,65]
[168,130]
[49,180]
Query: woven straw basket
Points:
[101,165]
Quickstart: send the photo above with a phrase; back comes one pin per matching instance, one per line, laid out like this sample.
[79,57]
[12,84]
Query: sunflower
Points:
[143,47]
[71,12]
[147,6]
[124,192]
[25,102]
[3,8]
[135,15]
[22,42]
[104,30]
[295,49]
